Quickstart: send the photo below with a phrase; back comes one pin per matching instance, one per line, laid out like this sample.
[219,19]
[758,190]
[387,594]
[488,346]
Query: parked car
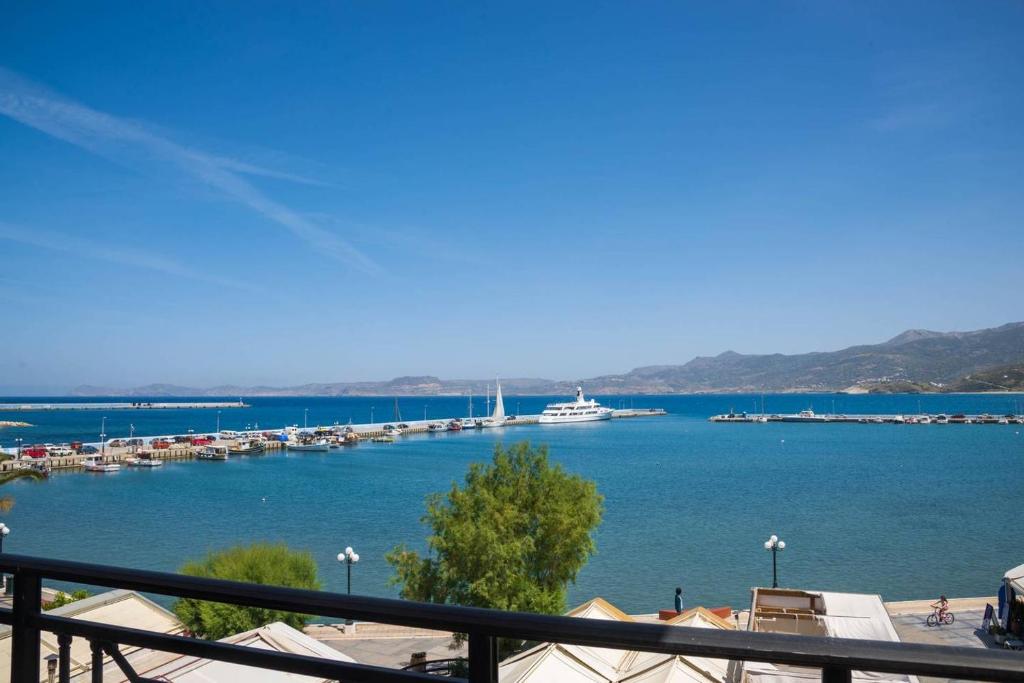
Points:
[201,440]
[89,450]
[402,425]
[76,446]
[183,439]
[117,443]
[160,443]
[36,451]
[134,442]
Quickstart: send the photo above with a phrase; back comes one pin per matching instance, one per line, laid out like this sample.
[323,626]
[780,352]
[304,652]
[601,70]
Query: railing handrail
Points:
[807,651]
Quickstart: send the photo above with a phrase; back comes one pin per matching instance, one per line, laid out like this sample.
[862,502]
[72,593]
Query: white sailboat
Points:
[497,418]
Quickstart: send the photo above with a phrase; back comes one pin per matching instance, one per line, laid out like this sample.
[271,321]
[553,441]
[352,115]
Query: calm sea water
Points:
[904,511]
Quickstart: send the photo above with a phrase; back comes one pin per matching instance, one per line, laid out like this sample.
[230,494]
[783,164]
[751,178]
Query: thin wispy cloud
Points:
[128,256]
[929,91]
[132,143]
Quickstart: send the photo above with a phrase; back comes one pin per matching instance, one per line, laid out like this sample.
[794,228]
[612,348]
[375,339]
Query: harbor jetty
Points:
[125,405]
[71,456]
[810,417]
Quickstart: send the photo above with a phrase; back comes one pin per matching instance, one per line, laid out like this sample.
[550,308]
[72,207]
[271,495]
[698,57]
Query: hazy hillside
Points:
[914,360]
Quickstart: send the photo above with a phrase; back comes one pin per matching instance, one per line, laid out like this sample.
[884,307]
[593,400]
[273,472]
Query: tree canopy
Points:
[263,563]
[512,537]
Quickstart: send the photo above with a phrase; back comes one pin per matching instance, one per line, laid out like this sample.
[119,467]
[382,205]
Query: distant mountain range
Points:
[916,360]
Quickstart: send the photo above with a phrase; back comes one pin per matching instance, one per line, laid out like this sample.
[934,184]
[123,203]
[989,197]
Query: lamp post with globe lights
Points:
[4,530]
[348,558]
[775,545]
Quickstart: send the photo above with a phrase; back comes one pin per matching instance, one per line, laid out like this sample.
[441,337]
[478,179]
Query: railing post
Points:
[64,658]
[483,658]
[25,654]
[97,661]
[835,674]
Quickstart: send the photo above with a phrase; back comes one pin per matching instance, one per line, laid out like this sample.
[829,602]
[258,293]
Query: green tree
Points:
[263,563]
[512,537]
[62,599]
[6,502]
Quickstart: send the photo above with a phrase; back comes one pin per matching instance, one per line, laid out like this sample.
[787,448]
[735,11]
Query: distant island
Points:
[989,360]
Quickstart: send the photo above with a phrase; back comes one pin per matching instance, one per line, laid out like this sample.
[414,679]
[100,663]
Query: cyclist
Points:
[941,607]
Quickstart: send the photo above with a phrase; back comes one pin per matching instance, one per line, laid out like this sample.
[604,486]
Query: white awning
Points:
[1015,577]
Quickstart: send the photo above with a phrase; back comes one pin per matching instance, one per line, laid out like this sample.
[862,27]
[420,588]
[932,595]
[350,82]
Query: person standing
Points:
[679,600]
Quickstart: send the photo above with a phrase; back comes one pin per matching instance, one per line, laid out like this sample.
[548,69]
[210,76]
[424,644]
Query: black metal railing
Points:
[836,657]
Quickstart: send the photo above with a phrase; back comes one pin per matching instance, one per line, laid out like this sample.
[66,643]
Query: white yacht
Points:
[579,410]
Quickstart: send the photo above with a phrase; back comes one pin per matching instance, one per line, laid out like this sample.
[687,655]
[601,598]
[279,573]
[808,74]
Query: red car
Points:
[160,444]
[201,440]
[36,451]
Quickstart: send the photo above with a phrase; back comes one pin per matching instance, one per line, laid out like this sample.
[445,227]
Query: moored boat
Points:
[96,465]
[580,410]
[213,453]
[455,426]
[245,447]
[321,446]
[497,418]
[144,459]
[804,416]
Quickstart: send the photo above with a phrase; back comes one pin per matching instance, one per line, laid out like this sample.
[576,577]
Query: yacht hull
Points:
[562,419]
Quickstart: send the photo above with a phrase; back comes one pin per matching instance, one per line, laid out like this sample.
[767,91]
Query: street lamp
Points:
[4,530]
[775,545]
[18,441]
[103,436]
[218,423]
[348,558]
[305,418]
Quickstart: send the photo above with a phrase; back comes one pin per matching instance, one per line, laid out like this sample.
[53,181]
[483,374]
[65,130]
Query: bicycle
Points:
[939,617]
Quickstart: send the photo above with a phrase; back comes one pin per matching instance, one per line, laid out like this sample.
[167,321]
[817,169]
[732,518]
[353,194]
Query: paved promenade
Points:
[909,619]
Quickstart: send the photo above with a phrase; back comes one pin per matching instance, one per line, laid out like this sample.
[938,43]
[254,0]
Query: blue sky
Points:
[206,193]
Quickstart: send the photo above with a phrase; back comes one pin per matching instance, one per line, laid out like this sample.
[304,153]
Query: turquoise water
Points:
[905,511]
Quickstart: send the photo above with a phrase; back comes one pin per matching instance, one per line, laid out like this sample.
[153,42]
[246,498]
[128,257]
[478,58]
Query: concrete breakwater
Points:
[810,417]
[172,447]
[123,405]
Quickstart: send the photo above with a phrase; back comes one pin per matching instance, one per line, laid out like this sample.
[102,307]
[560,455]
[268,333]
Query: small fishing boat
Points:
[437,427]
[455,426]
[144,459]
[321,446]
[392,431]
[96,465]
[213,453]
[248,448]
